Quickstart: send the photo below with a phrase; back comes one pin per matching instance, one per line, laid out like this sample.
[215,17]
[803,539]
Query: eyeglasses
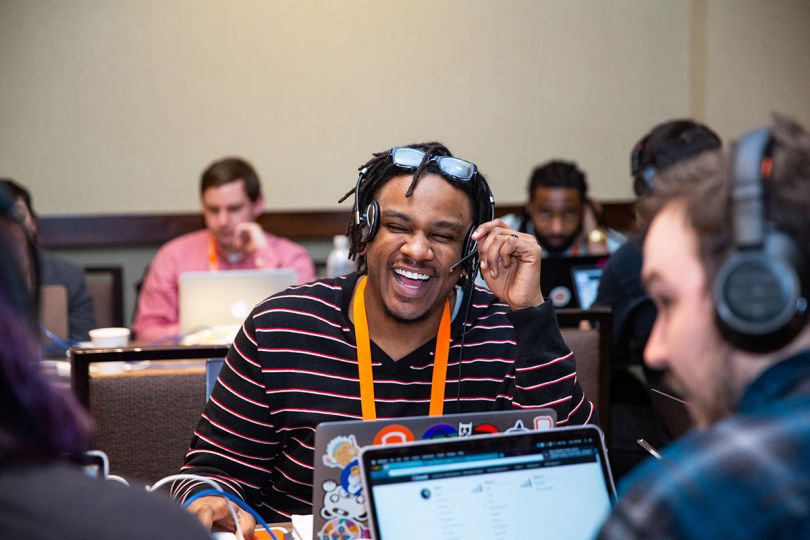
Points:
[411,158]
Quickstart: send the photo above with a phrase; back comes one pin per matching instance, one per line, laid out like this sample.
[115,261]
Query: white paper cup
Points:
[109,337]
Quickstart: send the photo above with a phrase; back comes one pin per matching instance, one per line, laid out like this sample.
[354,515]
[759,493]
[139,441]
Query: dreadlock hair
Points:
[377,171]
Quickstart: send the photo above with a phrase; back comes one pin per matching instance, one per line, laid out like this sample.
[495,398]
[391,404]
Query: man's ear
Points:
[257,206]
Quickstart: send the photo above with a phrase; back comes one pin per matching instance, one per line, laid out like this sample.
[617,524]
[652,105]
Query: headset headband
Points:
[747,195]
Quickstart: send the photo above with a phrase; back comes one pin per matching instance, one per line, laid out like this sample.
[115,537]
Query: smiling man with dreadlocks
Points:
[367,345]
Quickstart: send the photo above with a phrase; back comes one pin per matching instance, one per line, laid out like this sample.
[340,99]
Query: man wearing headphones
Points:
[406,335]
[725,261]
[620,289]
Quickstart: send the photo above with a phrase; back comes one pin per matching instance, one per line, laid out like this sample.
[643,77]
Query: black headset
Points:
[759,297]
[369,220]
[642,178]
[369,223]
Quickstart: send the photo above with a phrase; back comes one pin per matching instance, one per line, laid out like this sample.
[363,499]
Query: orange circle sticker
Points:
[393,434]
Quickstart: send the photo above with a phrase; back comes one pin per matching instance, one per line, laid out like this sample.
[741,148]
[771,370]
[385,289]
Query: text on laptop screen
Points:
[546,488]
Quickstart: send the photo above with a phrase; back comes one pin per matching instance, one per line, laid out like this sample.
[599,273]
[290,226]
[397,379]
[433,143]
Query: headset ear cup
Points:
[758,293]
[370,222]
[639,186]
[758,299]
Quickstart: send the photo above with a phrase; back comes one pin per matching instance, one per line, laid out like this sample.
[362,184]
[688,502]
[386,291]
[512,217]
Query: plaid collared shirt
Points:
[746,477]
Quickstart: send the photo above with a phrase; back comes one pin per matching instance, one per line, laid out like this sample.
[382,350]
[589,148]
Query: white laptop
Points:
[223,300]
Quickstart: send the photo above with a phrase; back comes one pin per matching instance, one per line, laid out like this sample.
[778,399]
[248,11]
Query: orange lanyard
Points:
[213,260]
[364,368]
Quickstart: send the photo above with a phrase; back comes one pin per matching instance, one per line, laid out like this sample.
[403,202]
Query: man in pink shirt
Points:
[231,199]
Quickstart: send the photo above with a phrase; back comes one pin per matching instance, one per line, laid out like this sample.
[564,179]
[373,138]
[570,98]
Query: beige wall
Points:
[110,106]
[113,106]
[758,61]
[116,106]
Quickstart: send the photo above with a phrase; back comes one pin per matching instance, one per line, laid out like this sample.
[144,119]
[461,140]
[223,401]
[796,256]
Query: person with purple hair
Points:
[43,492]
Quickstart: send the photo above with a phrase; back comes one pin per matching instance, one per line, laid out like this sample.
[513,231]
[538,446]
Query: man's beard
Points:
[725,395]
[396,318]
[568,241]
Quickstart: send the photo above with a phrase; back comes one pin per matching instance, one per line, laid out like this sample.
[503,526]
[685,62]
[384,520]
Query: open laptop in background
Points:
[214,304]
[586,284]
[548,484]
[338,501]
[556,282]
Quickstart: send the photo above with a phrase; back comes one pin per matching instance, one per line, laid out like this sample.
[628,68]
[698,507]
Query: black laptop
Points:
[557,282]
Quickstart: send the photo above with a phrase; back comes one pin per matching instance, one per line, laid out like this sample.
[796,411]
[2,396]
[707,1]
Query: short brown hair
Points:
[703,185]
[231,169]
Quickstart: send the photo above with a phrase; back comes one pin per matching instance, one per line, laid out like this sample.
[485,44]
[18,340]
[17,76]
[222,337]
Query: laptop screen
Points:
[554,484]
[586,284]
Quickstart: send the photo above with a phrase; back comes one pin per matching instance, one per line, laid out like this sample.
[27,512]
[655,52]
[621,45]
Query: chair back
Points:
[105,284]
[591,344]
[144,421]
[145,403]
[53,309]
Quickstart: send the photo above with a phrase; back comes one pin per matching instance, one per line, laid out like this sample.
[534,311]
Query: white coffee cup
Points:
[109,337]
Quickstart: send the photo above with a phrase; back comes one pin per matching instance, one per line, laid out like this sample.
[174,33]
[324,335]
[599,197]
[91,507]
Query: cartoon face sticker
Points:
[465,429]
[350,478]
[341,451]
[337,502]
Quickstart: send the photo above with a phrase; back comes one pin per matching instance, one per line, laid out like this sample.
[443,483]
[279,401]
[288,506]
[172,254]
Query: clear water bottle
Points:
[338,262]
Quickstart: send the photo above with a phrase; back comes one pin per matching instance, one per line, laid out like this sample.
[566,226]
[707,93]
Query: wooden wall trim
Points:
[137,230]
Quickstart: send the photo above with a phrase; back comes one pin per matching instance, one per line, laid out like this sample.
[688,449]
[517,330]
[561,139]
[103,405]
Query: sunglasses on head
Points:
[411,158]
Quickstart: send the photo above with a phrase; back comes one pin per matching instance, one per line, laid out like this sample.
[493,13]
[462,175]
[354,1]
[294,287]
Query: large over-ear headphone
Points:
[369,222]
[759,297]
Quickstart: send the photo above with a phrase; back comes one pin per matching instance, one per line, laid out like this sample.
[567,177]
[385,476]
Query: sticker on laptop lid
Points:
[543,423]
[393,434]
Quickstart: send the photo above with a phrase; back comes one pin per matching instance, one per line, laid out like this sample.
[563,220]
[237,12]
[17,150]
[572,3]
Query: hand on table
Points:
[214,510]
